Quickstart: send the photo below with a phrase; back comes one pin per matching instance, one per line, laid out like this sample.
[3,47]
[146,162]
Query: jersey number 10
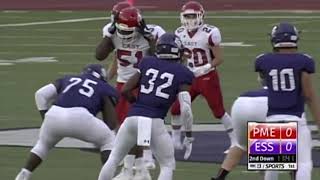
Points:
[282,80]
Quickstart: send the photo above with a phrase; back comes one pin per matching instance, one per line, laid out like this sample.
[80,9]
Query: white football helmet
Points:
[192,15]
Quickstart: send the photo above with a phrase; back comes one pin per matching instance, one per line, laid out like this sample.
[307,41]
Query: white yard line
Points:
[155,17]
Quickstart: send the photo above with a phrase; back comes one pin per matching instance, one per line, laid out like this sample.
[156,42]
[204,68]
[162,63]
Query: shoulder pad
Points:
[179,30]
[308,56]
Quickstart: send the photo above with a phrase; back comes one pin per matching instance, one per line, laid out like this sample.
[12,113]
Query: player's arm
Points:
[45,96]
[310,96]
[112,71]
[217,51]
[132,83]
[104,48]
[214,43]
[109,114]
[185,108]
[187,116]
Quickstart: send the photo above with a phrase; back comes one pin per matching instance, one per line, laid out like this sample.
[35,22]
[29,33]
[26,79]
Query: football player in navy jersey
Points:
[242,112]
[77,100]
[288,76]
[160,79]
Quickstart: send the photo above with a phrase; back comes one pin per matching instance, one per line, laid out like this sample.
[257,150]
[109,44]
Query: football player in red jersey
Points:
[204,55]
[131,39]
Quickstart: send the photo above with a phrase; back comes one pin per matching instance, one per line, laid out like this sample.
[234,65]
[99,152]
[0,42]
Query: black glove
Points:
[112,29]
[145,31]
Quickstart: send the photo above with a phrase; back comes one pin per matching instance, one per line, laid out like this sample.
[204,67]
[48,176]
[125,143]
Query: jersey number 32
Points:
[153,74]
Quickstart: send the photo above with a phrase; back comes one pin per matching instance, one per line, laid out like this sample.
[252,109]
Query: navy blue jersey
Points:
[282,73]
[159,85]
[256,93]
[83,91]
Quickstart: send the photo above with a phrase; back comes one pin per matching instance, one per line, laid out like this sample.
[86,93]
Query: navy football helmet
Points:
[96,70]
[284,35]
[169,46]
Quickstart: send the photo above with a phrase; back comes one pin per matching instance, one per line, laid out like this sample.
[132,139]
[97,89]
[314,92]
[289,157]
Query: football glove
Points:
[145,31]
[112,29]
[202,70]
[187,143]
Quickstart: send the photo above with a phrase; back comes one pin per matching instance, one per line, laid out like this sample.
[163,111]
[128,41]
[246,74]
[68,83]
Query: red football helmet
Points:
[192,15]
[128,22]
[118,7]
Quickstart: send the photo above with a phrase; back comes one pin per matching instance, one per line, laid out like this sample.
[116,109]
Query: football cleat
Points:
[125,174]
[142,174]
[23,175]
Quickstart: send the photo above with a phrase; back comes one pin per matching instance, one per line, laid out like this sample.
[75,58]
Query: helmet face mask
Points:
[192,15]
[127,24]
[125,33]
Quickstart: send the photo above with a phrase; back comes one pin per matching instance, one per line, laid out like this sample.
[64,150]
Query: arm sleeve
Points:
[309,65]
[44,96]
[215,37]
[185,108]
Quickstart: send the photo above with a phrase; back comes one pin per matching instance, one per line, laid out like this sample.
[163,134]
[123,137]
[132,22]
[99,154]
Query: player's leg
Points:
[177,121]
[122,108]
[47,139]
[305,166]
[240,116]
[211,90]
[125,140]
[162,146]
[91,129]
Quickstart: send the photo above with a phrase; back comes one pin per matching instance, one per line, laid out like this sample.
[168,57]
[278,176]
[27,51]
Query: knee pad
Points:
[271,175]
[176,120]
[165,173]
[41,150]
[304,171]
[167,162]
[108,143]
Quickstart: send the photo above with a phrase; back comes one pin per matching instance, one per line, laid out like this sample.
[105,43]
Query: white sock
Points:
[271,175]
[227,123]
[176,135]
[129,161]
[165,174]
[26,173]
[147,155]
[139,163]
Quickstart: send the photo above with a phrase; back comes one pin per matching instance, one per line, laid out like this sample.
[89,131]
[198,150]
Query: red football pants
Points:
[208,86]
[123,106]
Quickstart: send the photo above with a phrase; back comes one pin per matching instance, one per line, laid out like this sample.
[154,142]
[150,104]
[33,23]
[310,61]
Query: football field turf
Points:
[37,47]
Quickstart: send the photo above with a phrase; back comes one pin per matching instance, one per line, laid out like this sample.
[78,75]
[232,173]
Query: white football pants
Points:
[74,122]
[305,165]
[161,145]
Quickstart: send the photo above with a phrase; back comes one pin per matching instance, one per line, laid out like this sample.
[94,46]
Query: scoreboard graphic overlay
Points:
[272,146]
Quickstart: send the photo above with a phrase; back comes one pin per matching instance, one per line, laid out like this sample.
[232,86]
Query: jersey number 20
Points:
[147,89]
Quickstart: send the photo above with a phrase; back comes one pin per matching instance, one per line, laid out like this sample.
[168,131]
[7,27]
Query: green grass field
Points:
[73,45]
